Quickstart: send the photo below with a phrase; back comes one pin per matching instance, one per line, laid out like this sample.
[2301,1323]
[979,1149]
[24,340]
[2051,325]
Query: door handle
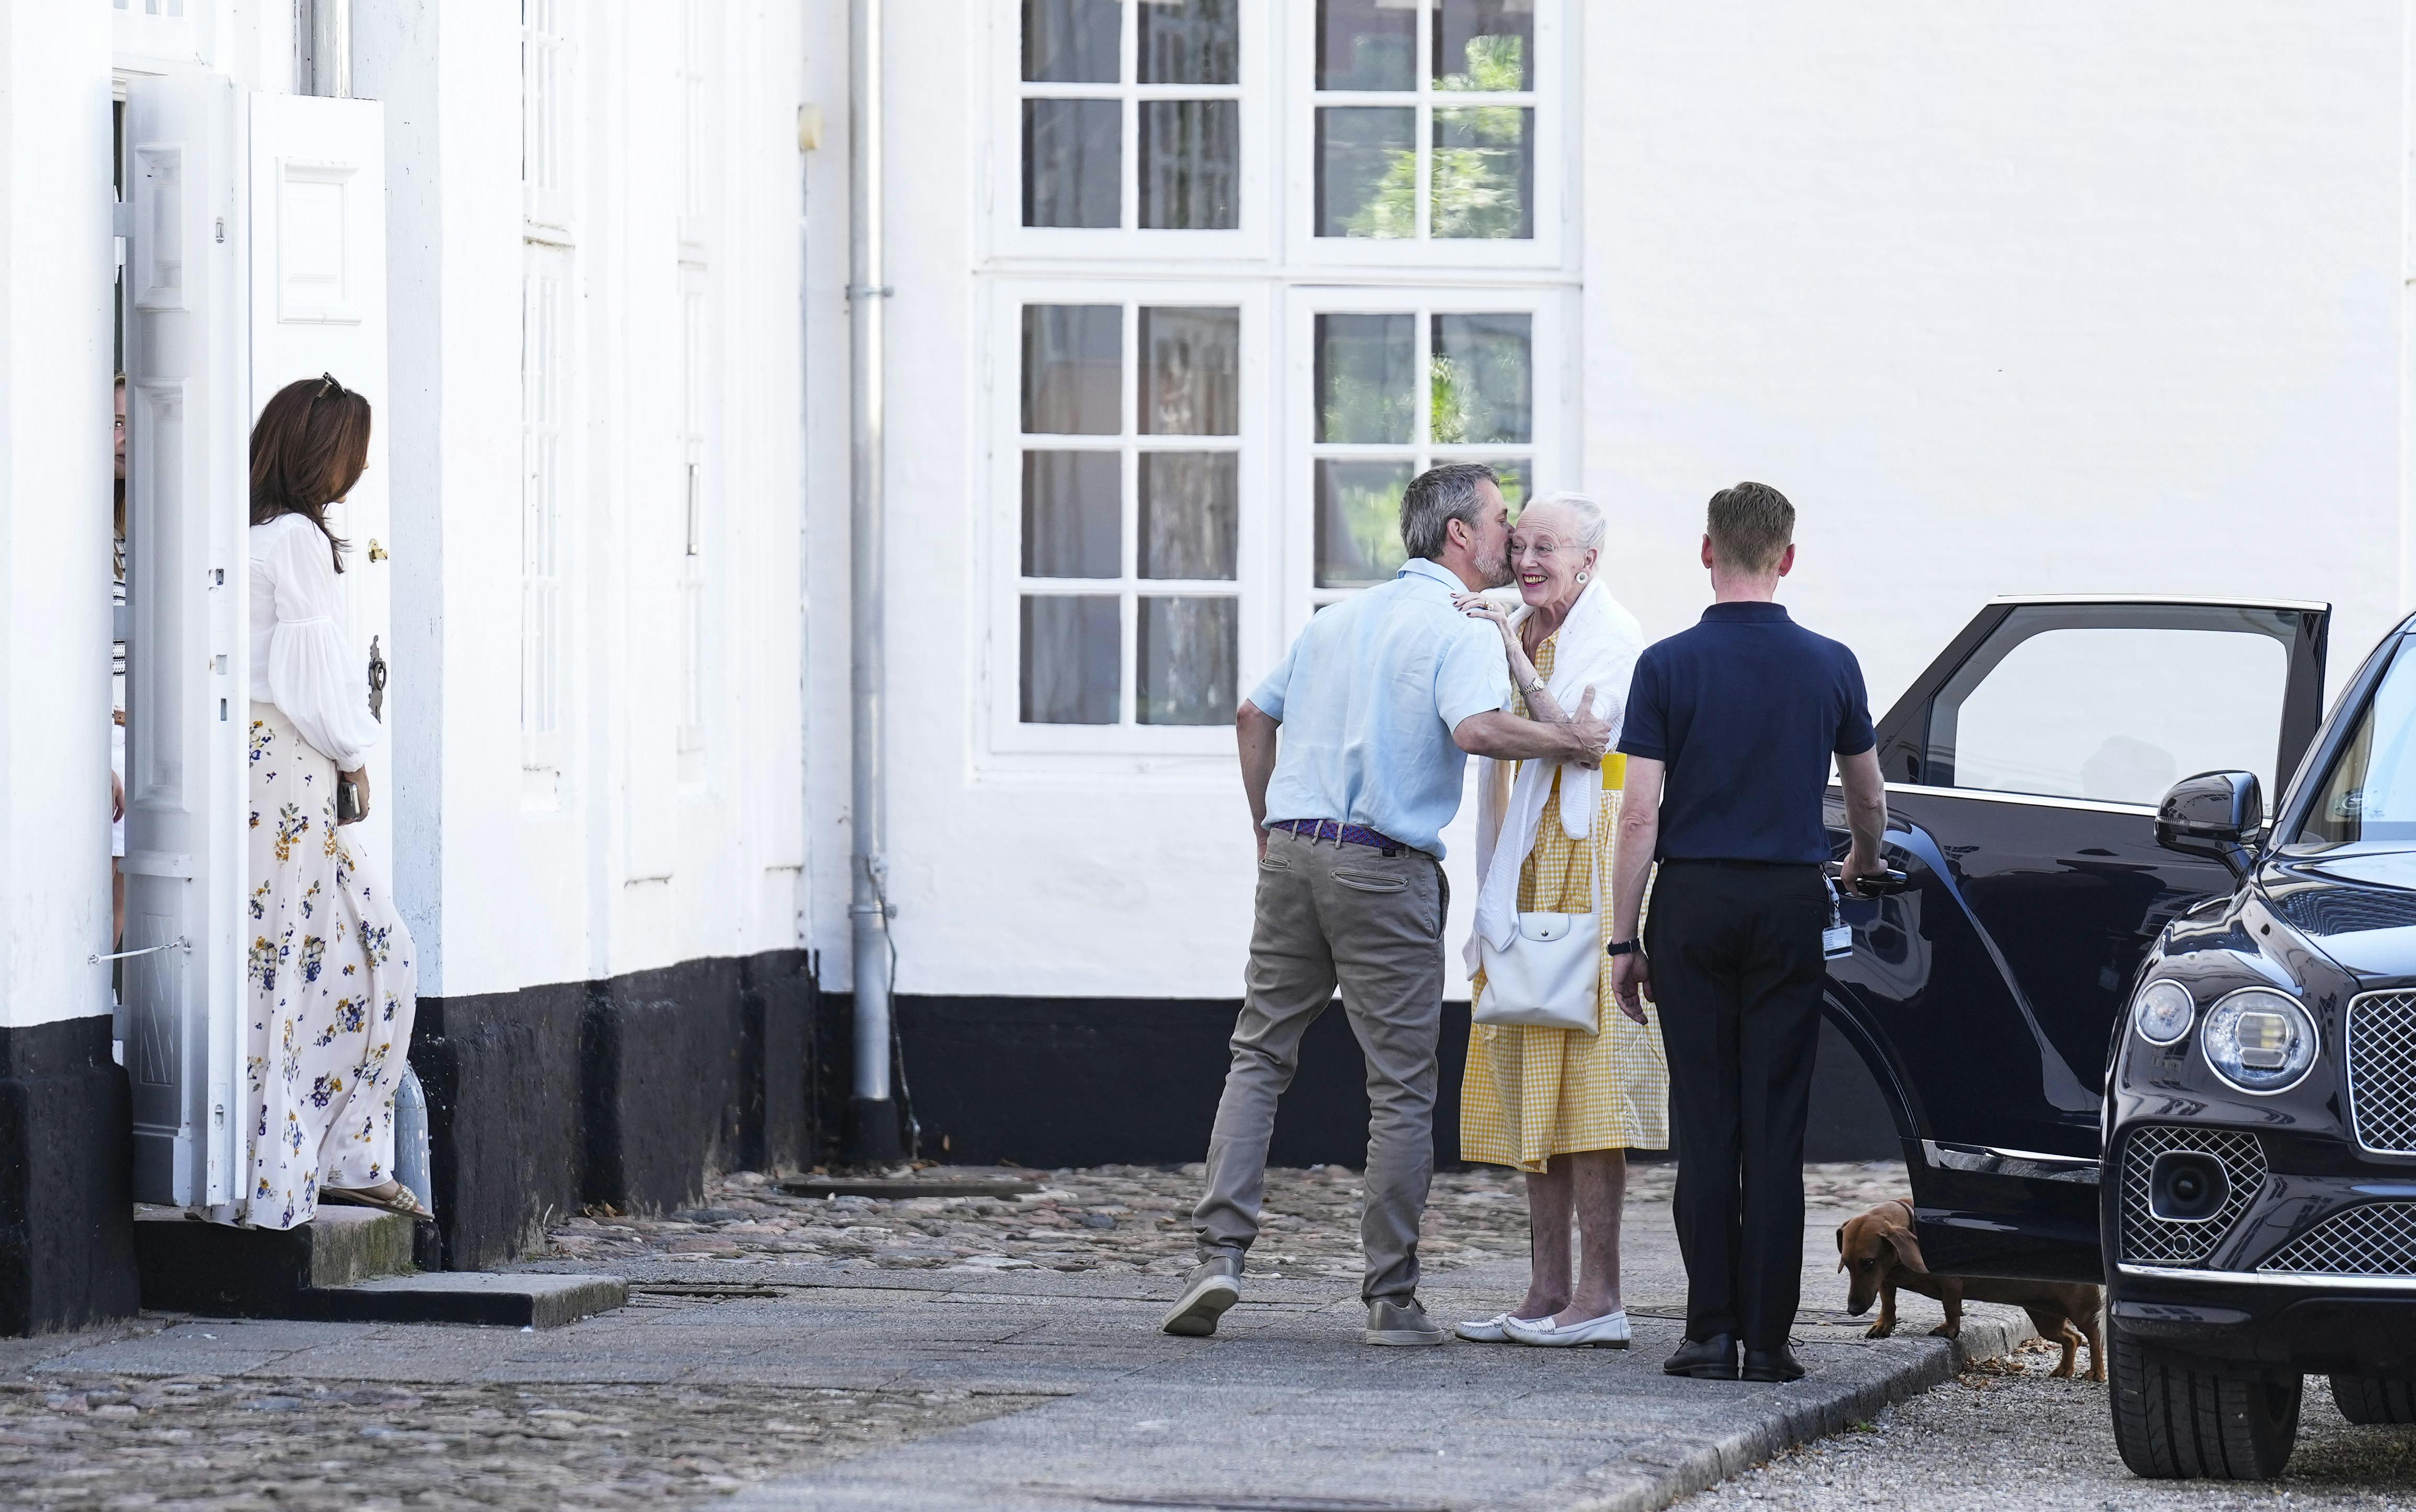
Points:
[377,553]
[377,682]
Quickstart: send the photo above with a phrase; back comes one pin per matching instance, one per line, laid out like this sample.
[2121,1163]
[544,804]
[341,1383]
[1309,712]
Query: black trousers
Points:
[1736,974]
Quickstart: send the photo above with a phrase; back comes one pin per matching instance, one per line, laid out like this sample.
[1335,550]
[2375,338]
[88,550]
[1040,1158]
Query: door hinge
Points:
[377,682]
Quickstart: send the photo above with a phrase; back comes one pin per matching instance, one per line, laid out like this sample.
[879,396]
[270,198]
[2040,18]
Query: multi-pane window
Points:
[1425,119]
[1132,115]
[1393,392]
[1130,513]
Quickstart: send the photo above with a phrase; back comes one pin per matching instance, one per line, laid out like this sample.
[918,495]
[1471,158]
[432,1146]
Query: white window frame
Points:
[1557,57]
[1002,148]
[1553,399]
[1001,547]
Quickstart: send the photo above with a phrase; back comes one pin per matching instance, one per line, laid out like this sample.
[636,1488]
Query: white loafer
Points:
[1610,1331]
[1494,1330]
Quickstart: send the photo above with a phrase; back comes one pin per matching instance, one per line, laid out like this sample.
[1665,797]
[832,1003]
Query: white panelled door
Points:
[318,305]
[186,670]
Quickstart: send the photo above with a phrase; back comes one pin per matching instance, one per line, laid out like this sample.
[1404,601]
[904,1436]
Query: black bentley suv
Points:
[2131,1031]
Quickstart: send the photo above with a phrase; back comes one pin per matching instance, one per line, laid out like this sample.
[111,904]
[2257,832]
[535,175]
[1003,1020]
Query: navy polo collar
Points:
[1746,614]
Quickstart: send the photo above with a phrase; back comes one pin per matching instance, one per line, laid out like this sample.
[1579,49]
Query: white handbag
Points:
[1549,976]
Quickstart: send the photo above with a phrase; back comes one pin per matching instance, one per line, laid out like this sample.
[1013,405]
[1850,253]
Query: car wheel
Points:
[2177,1417]
[2365,1398]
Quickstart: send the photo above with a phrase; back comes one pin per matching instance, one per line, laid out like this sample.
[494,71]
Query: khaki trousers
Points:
[1332,915]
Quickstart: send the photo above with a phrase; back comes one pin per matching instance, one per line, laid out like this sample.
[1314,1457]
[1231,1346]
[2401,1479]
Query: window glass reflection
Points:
[1367,172]
[1481,381]
[1365,384]
[1073,514]
[1073,162]
[1073,666]
[1073,369]
[1366,44]
[1191,376]
[1514,475]
[1072,41]
[1190,164]
[1189,512]
[1485,44]
[1184,655]
[1189,42]
[1359,521]
[1484,173]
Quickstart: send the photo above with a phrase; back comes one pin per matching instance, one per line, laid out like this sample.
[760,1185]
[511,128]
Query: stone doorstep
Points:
[348,1264]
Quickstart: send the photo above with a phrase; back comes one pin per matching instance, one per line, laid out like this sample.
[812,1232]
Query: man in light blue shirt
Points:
[1379,703]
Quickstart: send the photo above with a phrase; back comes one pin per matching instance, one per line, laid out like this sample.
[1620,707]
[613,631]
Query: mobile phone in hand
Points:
[348,802]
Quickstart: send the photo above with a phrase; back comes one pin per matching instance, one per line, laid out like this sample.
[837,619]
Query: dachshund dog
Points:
[1879,1252]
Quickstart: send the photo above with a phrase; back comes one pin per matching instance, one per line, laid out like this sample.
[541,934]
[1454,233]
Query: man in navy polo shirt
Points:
[1730,729]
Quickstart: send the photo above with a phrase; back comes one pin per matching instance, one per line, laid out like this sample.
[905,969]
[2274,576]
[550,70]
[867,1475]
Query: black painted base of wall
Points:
[1075,1082]
[66,1161]
[620,1093]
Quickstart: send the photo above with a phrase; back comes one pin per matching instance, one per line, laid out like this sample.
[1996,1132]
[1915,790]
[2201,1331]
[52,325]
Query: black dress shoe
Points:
[1705,1359]
[1774,1364]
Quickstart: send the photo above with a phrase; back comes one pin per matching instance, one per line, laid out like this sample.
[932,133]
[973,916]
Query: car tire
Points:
[2365,1398]
[2176,1417]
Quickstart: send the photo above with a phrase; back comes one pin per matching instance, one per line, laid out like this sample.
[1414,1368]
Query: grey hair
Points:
[1435,498]
[1590,524]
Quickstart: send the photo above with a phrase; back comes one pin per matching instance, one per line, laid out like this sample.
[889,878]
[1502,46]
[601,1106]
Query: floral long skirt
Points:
[332,989]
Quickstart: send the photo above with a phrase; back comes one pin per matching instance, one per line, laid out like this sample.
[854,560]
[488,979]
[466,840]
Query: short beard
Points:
[1496,572]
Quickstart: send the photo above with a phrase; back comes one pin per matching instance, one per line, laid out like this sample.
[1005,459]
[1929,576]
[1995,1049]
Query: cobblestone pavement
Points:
[2007,1437]
[109,1442]
[1114,1219]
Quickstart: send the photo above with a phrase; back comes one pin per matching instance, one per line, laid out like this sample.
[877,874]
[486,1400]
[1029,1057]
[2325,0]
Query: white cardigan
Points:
[1596,647]
[299,660]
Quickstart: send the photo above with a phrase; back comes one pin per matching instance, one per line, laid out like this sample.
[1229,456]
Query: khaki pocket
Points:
[1371,882]
[1274,863]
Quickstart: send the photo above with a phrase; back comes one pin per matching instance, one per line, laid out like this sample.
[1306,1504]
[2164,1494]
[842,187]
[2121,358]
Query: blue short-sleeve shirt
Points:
[1745,711]
[1369,695]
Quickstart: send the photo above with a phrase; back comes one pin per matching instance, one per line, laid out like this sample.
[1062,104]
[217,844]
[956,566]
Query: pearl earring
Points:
[1581,576]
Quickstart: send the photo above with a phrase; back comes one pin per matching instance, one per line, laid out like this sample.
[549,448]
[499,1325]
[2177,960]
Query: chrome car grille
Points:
[2379,1239]
[2150,1240]
[2382,1071]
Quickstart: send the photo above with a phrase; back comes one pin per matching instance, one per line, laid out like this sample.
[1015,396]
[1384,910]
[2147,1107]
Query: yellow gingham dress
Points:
[1533,1094]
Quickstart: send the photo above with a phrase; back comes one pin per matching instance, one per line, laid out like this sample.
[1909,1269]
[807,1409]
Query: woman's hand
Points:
[359,777]
[1476,606]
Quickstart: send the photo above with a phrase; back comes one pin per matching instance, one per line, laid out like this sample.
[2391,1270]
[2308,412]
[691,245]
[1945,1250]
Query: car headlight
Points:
[2162,1011]
[2258,1040]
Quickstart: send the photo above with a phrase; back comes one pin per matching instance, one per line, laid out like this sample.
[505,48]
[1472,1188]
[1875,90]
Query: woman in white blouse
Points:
[332,989]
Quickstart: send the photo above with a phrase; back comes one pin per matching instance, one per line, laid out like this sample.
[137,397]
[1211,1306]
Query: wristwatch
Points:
[1623,948]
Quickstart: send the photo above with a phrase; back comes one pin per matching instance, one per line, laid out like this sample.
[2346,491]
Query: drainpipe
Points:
[322,47]
[872,1115]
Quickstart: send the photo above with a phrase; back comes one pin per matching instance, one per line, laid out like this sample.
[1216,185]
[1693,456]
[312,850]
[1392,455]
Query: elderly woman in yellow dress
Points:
[1561,1105]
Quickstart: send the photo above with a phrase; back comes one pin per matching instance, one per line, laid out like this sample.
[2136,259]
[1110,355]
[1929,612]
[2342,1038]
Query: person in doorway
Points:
[1562,1105]
[1378,703]
[333,990]
[1730,729]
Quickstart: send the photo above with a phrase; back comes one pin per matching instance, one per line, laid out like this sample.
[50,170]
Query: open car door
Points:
[2023,769]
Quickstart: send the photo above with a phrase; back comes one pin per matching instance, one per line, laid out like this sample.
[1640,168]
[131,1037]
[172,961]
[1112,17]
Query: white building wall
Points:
[55,490]
[2006,298]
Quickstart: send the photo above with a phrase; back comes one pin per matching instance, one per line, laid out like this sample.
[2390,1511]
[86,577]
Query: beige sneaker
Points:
[1401,1324]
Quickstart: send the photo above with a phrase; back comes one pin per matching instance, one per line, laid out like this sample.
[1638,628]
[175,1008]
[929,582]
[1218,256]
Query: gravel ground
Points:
[2005,1436]
[1112,1219]
[198,1442]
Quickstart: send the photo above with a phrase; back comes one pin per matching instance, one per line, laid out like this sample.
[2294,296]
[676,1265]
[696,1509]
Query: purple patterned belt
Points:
[1327,829]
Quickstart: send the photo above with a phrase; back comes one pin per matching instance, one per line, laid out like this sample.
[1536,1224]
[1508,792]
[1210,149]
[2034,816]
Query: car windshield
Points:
[2370,793]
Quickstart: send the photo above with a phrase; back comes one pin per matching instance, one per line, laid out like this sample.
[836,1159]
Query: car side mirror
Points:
[2216,815]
